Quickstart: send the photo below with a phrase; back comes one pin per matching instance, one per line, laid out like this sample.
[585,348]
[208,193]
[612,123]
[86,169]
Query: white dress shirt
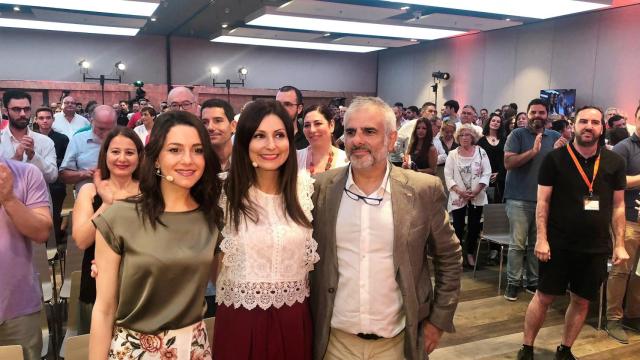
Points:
[44,157]
[63,126]
[142,132]
[368,298]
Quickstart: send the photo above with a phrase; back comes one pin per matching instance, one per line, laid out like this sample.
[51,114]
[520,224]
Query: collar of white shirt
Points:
[380,191]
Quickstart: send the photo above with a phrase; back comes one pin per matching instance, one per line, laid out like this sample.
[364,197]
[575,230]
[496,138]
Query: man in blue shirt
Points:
[82,153]
[523,153]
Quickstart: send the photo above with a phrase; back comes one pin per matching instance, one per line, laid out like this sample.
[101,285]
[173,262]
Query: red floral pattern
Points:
[131,345]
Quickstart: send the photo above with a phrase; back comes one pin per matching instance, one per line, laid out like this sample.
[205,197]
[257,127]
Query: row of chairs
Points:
[47,264]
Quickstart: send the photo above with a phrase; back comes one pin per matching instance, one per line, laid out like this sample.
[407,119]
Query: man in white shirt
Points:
[371,291]
[18,142]
[68,122]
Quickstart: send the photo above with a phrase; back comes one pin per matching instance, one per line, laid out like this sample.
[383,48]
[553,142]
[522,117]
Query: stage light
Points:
[120,66]
[84,64]
[441,75]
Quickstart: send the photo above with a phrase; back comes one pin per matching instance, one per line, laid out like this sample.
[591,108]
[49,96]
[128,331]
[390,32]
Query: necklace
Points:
[312,168]
[492,140]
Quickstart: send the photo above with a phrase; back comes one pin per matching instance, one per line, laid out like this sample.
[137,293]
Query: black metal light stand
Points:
[102,79]
[228,84]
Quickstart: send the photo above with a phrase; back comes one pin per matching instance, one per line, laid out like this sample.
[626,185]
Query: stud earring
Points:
[254,164]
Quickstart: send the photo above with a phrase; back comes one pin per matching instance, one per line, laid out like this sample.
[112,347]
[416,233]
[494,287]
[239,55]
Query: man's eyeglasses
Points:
[186,105]
[367,200]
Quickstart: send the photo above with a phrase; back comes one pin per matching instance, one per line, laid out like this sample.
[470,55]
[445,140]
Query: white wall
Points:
[595,53]
[46,55]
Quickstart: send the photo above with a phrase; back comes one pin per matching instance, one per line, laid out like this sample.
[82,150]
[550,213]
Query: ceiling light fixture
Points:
[405,8]
[16,8]
[84,64]
[123,7]
[351,27]
[294,44]
[214,70]
[120,66]
[153,18]
[540,9]
[68,27]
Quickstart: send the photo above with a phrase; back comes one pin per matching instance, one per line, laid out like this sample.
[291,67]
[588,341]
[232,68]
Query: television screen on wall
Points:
[560,101]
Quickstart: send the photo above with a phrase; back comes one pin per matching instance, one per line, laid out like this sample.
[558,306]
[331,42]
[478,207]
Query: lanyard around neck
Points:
[581,171]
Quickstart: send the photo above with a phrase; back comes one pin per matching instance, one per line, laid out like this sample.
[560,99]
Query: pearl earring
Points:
[254,164]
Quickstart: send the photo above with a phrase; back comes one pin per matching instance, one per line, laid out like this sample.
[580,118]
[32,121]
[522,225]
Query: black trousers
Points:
[58,193]
[474,214]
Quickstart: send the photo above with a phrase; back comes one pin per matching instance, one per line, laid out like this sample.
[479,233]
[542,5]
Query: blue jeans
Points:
[522,226]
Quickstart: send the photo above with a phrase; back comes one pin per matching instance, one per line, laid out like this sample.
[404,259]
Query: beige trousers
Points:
[24,331]
[345,346]
[623,281]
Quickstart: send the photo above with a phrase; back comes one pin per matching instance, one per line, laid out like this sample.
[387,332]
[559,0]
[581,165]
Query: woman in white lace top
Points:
[267,250]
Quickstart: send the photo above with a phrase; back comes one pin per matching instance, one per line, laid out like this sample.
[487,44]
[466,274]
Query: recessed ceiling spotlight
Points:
[414,40]
[16,8]
[508,19]
[224,25]
[326,34]
[405,8]
[154,19]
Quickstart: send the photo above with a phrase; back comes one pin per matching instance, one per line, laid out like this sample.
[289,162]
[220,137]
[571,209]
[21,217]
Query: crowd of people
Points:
[310,232]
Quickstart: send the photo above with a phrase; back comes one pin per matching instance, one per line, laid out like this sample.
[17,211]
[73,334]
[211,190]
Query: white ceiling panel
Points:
[462,22]
[338,10]
[87,19]
[274,34]
[364,41]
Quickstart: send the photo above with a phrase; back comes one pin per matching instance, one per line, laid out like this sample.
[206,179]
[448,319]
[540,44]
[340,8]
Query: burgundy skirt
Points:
[272,334]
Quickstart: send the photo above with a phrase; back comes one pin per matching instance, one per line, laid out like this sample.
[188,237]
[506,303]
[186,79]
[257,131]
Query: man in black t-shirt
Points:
[580,198]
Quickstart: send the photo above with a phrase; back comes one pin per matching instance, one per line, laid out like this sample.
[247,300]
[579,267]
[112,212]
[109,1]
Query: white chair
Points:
[72,311]
[77,348]
[11,352]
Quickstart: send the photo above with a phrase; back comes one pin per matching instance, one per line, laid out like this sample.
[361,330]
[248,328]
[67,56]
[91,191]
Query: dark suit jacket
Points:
[421,229]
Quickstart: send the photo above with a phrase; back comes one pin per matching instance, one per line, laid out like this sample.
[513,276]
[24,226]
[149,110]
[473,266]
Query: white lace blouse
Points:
[267,263]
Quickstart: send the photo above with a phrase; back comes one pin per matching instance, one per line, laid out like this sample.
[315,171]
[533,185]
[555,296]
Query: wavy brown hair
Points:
[206,191]
[242,174]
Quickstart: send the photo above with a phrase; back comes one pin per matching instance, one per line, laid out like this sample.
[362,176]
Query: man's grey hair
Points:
[107,109]
[361,102]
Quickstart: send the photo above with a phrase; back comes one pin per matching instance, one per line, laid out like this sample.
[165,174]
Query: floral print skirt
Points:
[188,343]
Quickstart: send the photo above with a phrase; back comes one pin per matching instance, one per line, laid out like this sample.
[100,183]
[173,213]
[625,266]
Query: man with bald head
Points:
[68,122]
[81,157]
[181,98]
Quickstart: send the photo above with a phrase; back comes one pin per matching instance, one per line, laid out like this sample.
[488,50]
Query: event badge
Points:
[591,203]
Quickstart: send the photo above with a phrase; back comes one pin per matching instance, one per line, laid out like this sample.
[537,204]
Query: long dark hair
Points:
[104,148]
[486,130]
[206,192]
[242,174]
[326,111]
[428,139]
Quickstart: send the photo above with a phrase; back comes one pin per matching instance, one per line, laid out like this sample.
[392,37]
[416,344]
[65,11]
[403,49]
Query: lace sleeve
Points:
[305,191]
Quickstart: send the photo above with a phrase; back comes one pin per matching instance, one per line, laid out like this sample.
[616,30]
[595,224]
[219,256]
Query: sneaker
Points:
[616,332]
[531,289]
[525,354]
[632,324]
[562,353]
[511,292]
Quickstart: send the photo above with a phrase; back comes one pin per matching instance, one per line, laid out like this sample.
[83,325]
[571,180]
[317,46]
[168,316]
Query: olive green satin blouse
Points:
[163,271]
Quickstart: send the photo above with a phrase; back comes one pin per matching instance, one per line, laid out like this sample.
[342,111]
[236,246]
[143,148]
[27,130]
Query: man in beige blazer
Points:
[376,224]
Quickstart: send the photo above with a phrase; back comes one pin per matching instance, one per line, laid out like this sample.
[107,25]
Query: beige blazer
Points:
[421,229]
